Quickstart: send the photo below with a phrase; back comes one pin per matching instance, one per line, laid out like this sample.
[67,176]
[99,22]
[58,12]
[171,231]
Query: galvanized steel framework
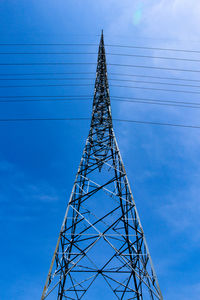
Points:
[101,242]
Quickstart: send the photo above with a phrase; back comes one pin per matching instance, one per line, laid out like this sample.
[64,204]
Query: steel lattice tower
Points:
[101,250]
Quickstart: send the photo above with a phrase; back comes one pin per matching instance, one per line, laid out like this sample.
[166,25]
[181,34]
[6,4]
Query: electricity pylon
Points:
[101,251]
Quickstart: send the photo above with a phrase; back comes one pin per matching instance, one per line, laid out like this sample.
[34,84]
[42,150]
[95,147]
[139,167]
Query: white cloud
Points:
[170,19]
[185,292]
[21,195]
[182,212]
[178,19]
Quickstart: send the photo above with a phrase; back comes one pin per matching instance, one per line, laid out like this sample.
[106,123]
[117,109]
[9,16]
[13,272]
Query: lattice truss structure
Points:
[101,252]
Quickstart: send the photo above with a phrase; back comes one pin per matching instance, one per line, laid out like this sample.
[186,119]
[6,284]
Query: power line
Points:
[154,89]
[152,67]
[150,76]
[44,85]
[51,53]
[153,38]
[72,97]
[47,63]
[47,73]
[91,73]
[153,48]
[112,85]
[155,82]
[156,100]
[158,123]
[95,53]
[45,96]
[48,44]
[162,103]
[87,97]
[75,78]
[157,103]
[157,57]
[45,100]
[107,45]
[111,79]
[129,100]
[91,63]
[83,119]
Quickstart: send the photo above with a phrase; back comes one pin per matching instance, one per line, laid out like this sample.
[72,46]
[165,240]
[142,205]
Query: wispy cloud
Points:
[20,196]
[174,19]
[186,292]
[182,212]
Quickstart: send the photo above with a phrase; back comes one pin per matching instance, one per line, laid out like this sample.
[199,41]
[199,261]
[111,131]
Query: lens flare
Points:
[137,16]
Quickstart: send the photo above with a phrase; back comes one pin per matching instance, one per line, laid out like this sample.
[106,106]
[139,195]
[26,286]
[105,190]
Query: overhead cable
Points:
[91,63]
[111,85]
[115,119]
[87,97]
[152,67]
[110,79]
[154,89]
[93,73]
[107,45]
[151,76]
[153,48]
[108,53]
[138,101]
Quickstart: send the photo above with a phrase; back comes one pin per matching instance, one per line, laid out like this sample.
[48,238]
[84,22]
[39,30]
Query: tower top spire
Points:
[101,44]
[101,102]
[101,123]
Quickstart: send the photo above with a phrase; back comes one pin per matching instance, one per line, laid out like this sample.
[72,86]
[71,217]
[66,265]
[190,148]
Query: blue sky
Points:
[38,160]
